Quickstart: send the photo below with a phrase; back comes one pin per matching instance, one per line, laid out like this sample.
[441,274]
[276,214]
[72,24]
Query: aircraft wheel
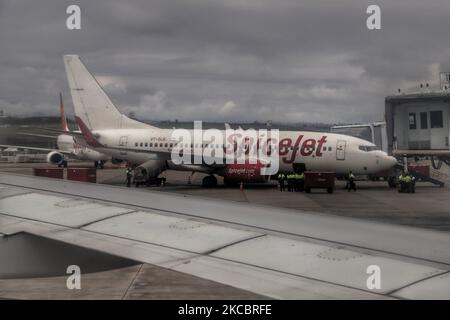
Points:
[209,181]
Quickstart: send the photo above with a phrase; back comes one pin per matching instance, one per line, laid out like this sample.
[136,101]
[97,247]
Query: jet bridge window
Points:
[436,119]
[412,121]
[423,120]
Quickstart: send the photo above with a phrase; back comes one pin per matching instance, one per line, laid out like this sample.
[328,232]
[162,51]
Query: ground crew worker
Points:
[351,181]
[412,184]
[301,181]
[402,182]
[281,180]
[409,182]
[406,182]
[294,181]
[290,181]
[129,176]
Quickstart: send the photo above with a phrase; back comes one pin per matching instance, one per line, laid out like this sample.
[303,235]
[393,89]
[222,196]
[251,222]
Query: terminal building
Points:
[417,124]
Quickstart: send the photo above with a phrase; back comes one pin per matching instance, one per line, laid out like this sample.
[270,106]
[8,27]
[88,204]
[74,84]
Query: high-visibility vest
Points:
[301,176]
[281,176]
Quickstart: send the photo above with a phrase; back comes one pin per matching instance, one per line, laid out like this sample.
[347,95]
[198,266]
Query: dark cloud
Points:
[283,60]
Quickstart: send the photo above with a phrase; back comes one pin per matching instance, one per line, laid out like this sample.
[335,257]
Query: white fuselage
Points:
[318,151]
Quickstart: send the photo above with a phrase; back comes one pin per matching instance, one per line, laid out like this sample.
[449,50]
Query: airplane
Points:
[109,131]
[68,145]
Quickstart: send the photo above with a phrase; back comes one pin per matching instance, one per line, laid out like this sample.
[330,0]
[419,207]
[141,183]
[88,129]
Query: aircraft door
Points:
[340,149]
[123,141]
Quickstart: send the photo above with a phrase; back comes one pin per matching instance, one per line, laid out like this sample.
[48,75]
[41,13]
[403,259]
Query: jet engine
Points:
[55,157]
[149,169]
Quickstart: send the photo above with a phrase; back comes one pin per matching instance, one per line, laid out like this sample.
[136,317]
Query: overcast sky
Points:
[230,60]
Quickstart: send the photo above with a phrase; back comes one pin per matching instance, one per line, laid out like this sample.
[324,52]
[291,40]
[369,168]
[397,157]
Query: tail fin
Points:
[91,103]
[64,125]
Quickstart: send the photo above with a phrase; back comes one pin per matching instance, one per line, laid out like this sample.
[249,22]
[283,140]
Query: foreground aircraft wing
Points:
[277,253]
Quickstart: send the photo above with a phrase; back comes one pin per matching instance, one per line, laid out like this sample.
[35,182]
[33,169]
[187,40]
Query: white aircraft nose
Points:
[390,161]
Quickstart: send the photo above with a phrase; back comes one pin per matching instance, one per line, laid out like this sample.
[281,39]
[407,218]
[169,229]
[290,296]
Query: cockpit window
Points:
[368,148]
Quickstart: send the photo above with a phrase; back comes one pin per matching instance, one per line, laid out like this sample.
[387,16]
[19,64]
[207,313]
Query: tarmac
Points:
[427,208]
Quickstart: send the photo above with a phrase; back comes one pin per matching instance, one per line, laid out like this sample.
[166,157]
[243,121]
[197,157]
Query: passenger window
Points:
[165,145]
[141,144]
[160,145]
[324,148]
[436,119]
[135,144]
[171,145]
[146,144]
[329,149]
[151,144]
[412,121]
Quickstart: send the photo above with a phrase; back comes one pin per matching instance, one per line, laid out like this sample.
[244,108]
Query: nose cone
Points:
[389,162]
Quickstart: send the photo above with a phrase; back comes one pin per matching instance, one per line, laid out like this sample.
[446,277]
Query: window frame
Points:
[441,120]
[412,125]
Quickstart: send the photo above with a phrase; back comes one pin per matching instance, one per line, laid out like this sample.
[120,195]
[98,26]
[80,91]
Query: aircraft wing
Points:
[277,253]
[38,135]
[33,148]
[76,134]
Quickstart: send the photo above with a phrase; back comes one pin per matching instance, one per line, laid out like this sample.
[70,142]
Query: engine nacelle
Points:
[55,157]
[116,161]
[149,169]
[247,173]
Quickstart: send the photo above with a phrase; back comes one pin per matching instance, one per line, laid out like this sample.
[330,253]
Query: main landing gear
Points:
[209,181]
[99,164]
